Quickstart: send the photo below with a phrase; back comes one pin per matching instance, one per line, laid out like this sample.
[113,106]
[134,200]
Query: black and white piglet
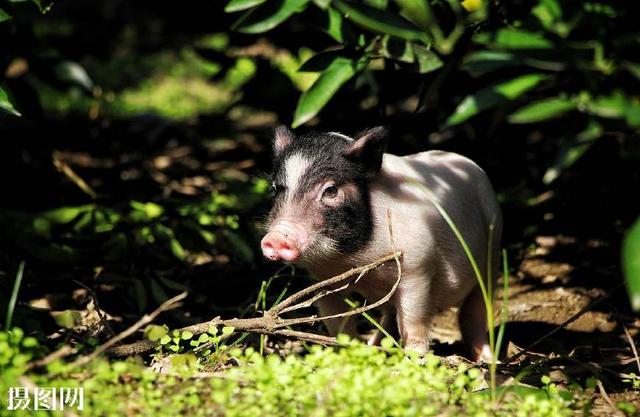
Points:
[331,196]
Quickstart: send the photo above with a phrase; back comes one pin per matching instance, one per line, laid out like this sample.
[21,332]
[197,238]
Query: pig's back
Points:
[430,247]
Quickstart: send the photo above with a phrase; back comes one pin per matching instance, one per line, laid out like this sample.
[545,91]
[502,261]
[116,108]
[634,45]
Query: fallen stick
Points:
[270,323]
[146,319]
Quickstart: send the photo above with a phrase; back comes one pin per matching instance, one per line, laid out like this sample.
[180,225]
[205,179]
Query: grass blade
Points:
[14,295]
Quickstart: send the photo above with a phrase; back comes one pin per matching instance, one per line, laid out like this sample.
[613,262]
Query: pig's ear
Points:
[282,138]
[367,148]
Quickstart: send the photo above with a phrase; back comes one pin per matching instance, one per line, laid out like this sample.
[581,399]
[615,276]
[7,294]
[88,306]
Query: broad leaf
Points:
[321,61]
[6,105]
[335,25]
[633,68]
[631,263]
[514,39]
[572,150]
[612,106]
[418,12]
[323,4]
[482,62]
[398,49]
[315,98]
[4,15]
[268,15]
[377,4]
[545,109]
[239,5]
[426,59]
[379,21]
[493,96]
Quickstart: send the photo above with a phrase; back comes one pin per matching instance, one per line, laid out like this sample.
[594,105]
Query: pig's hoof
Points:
[483,355]
[416,349]
[375,339]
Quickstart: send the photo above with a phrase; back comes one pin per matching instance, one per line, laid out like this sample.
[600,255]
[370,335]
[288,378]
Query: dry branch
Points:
[271,323]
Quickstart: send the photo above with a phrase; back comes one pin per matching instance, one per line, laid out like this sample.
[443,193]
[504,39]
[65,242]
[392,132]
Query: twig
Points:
[329,282]
[63,352]
[633,345]
[99,312]
[146,319]
[607,399]
[65,169]
[271,323]
[561,326]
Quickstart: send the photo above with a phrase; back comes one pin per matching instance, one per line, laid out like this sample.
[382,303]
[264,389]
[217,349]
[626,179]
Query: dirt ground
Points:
[569,318]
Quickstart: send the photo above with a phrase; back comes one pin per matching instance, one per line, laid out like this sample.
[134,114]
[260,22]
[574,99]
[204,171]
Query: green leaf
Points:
[239,5]
[482,62]
[631,263]
[4,15]
[268,15]
[64,215]
[377,4]
[6,105]
[321,61]
[514,39]
[632,114]
[318,95]
[549,13]
[545,109]
[186,335]
[418,12]
[633,68]
[612,106]
[427,59]
[493,96]
[335,26]
[227,330]
[323,4]
[379,21]
[67,318]
[572,151]
[155,332]
[397,49]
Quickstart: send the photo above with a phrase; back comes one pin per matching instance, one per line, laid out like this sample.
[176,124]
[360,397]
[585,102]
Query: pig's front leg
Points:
[334,304]
[414,313]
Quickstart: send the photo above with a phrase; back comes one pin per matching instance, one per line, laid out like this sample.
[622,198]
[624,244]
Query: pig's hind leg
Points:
[388,323]
[473,326]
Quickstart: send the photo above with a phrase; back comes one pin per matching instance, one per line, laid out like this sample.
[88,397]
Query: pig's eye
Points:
[275,189]
[330,192]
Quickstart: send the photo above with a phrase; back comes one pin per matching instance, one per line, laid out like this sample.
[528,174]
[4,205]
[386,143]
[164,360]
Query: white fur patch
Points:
[341,135]
[295,167]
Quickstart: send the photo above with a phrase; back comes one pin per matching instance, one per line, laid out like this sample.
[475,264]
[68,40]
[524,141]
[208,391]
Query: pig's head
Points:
[321,195]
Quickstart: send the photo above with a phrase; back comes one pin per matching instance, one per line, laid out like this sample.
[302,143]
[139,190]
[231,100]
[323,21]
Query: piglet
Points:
[331,195]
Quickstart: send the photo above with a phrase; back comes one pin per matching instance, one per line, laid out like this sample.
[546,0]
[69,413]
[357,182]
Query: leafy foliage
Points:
[353,380]
[631,263]
[535,64]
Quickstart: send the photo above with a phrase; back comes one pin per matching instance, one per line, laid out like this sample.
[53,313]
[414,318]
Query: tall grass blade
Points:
[14,295]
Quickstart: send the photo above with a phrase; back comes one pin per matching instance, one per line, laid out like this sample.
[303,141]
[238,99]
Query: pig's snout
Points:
[283,242]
